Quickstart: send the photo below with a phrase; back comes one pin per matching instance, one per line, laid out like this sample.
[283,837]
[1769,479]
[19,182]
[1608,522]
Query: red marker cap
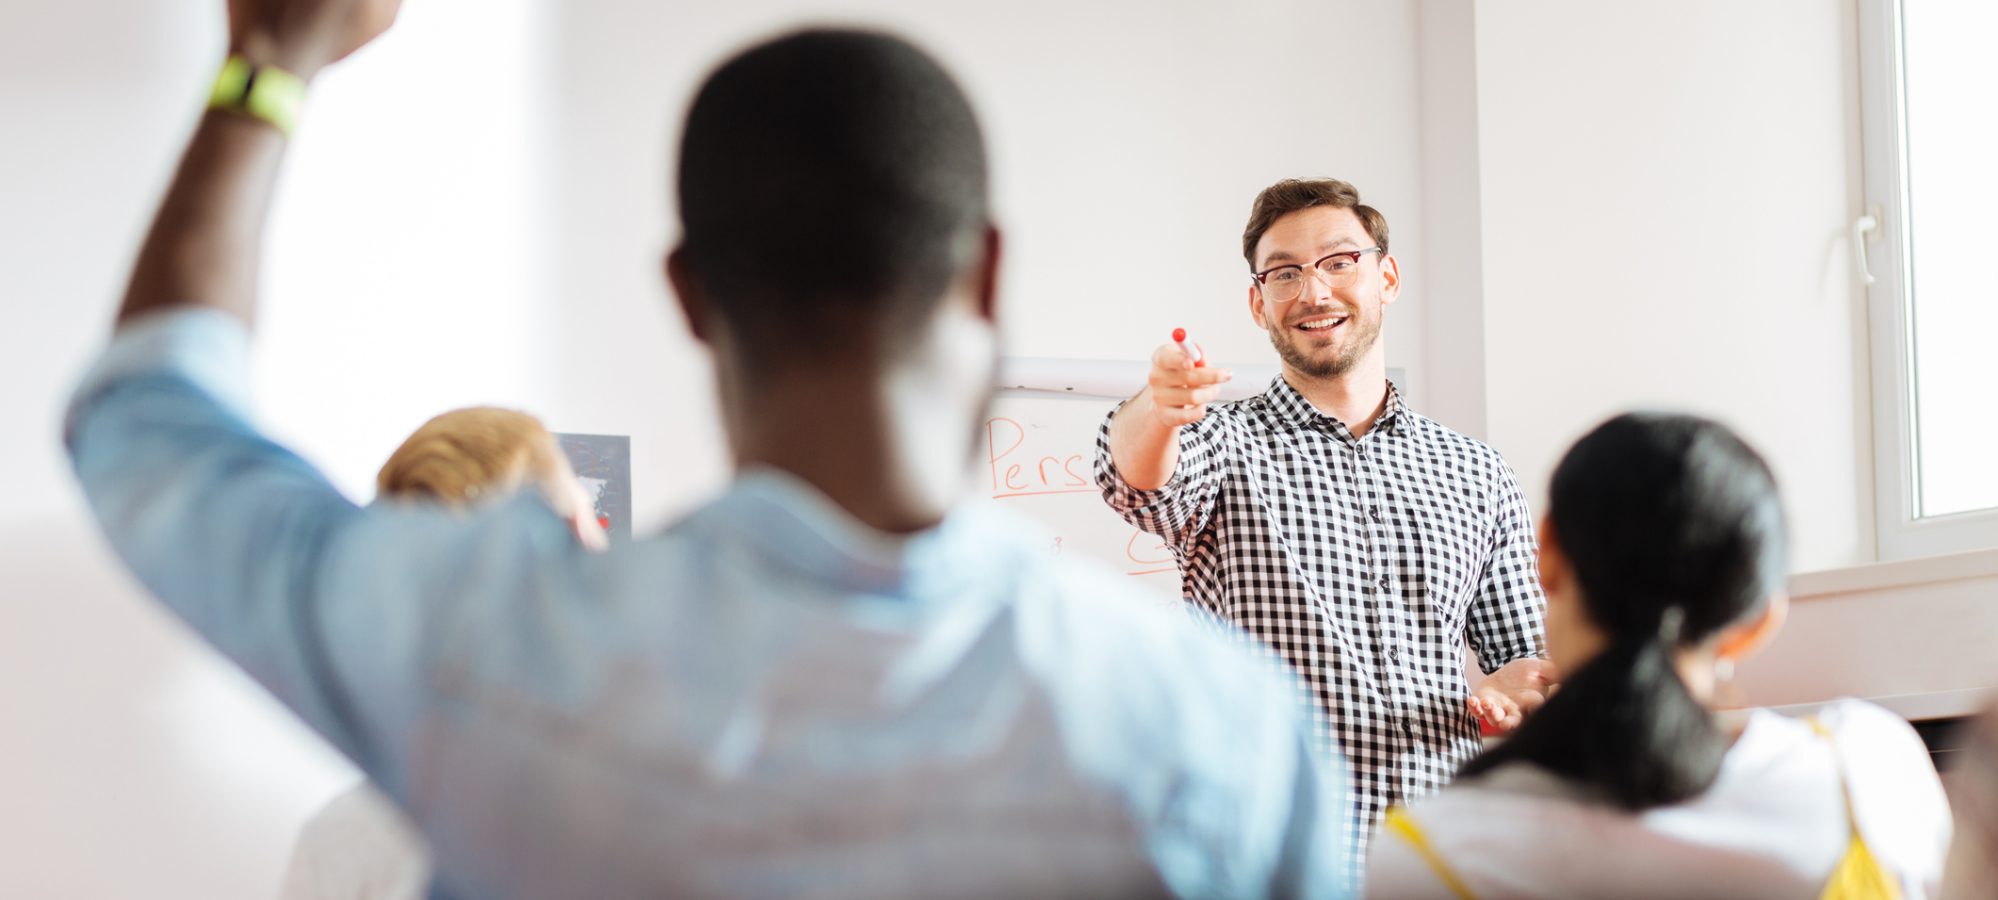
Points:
[1192,352]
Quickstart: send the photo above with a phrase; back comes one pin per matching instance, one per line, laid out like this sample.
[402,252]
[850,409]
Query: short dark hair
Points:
[1293,194]
[1675,531]
[830,180]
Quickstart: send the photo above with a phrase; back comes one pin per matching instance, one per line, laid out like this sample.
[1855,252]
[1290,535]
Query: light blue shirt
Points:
[767,699]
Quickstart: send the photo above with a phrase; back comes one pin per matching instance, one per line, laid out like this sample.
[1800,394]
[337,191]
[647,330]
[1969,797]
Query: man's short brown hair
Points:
[1293,194]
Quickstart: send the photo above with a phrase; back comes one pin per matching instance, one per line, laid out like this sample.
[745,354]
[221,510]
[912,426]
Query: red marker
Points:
[1192,352]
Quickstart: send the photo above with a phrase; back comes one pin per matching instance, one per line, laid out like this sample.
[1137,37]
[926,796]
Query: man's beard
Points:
[1367,330]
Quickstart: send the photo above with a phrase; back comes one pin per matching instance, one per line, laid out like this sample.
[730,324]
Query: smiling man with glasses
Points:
[1360,542]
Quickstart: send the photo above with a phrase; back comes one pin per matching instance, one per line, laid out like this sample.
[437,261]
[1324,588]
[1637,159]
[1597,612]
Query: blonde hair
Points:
[466,454]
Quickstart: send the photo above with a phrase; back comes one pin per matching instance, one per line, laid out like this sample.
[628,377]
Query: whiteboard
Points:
[1038,449]
[1110,379]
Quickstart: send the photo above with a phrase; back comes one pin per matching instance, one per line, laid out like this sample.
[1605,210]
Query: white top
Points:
[1772,825]
[358,847]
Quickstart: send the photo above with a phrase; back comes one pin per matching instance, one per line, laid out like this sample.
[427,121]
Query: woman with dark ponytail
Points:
[1662,555]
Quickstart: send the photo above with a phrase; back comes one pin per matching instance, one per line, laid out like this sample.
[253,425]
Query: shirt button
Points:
[1385,586]
[1394,654]
[1374,512]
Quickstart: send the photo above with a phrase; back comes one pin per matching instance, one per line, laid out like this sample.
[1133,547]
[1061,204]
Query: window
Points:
[1931,224]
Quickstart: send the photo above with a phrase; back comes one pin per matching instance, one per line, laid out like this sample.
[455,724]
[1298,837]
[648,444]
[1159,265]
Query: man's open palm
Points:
[1506,697]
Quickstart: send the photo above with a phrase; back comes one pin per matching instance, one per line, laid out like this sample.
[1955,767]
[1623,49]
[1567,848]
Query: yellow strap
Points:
[1859,874]
[1838,766]
[1404,826]
[265,93]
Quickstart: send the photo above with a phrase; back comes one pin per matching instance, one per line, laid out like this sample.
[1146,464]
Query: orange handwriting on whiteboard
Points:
[1025,475]
[1146,549]
[1149,552]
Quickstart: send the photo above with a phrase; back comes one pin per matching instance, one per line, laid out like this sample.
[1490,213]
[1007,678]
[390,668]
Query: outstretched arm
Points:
[1155,466]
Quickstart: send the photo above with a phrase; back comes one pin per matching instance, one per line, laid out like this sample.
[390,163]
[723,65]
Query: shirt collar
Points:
[1298,411]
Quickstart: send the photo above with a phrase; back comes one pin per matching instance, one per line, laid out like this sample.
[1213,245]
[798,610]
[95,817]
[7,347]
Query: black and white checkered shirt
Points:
[1365,564]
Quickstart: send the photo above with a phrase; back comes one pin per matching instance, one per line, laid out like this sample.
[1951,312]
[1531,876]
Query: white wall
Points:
[109,793]
[399,284]
[1915,635]
[408,262]
[1665,194]
[1454,314]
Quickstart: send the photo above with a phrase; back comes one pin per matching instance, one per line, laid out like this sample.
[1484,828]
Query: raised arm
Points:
[204,245]
[240,537]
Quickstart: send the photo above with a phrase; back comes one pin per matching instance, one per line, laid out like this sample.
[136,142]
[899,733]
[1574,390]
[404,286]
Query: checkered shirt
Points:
[1364,563]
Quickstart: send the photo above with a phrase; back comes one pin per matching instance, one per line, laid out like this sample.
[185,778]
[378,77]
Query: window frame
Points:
[1880,244]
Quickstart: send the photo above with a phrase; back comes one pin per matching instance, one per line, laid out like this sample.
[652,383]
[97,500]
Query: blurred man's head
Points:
[470,456]
[837,257]
[833,201]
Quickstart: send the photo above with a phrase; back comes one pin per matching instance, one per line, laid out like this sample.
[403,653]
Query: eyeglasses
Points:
[1283,284]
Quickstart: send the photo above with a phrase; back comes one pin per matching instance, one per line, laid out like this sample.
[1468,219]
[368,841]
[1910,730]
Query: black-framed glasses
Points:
[1282,284]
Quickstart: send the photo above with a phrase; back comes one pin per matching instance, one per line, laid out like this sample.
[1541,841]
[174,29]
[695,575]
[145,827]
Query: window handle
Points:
[1862,228]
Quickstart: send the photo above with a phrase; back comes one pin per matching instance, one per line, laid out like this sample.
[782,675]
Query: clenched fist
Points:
[1180,390]
[304,36]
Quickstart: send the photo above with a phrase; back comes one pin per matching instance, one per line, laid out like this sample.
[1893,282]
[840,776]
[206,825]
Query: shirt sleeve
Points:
[326,604]
[358,845]
[1507,618]
[1904,814]
[1179,509]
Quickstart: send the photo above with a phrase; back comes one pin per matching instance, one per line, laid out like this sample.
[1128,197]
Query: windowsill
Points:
[1913,707]
[1899,573]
